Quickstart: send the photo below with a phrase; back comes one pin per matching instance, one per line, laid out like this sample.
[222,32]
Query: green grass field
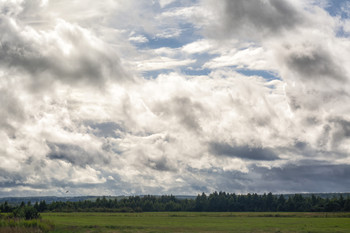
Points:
[199,222]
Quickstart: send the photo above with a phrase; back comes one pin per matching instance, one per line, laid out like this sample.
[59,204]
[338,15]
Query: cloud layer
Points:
[179,97]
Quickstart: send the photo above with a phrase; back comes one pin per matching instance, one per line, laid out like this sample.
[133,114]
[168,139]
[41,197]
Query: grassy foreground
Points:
[199,222]
[25,226]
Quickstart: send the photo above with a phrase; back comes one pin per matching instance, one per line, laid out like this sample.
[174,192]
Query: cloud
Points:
[243,152]
[161,63]
[68,53]
[153,140]
[311,62]
[254,58]
[186,112]
[11,112]
[199,46]
[164,3]
[253,19]
[138,39]
[76,155]
[160,164]
[111,98]
[340,129]
[314,177]
[105,129]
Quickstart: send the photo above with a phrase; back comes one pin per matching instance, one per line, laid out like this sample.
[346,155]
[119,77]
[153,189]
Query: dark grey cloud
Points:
[24,9]
[311,151]
[243,152]
[315,65]
[216,178]
[187,112]
[10,178]
[105,129]
[160,164]
[335,131]
[340,131]
[306,176]
[252,19]
[184,109]
[11,112]
[76,155]
[305,149]
[312,176]
[47,185]
[69,185]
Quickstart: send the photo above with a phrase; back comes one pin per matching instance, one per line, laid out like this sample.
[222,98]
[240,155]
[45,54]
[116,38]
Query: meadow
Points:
[199,222]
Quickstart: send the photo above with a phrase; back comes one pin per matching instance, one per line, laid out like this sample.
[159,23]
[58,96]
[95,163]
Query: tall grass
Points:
[21,225]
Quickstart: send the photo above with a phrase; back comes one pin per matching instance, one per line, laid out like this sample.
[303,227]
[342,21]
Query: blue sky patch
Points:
[199,72]
[334,8]
[268,75]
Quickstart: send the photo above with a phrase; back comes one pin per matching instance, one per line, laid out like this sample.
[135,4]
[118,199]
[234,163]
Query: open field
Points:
[199,222]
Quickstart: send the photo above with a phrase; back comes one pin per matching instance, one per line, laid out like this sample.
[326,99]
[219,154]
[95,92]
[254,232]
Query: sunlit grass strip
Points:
[200,222]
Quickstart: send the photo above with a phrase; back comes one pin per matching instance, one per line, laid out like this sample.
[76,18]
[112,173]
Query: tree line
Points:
[214,202]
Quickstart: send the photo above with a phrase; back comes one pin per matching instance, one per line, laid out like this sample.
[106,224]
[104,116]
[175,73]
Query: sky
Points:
[116,97]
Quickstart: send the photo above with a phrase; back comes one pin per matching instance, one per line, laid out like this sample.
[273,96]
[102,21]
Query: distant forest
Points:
[214,202]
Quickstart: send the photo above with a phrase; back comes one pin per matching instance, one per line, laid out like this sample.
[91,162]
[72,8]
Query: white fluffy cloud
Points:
[80,112]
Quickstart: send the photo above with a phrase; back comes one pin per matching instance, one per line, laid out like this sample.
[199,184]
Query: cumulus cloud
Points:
[98,97]
[75,154]
[315,64]
[67,53]
[11,112]
[253,19]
